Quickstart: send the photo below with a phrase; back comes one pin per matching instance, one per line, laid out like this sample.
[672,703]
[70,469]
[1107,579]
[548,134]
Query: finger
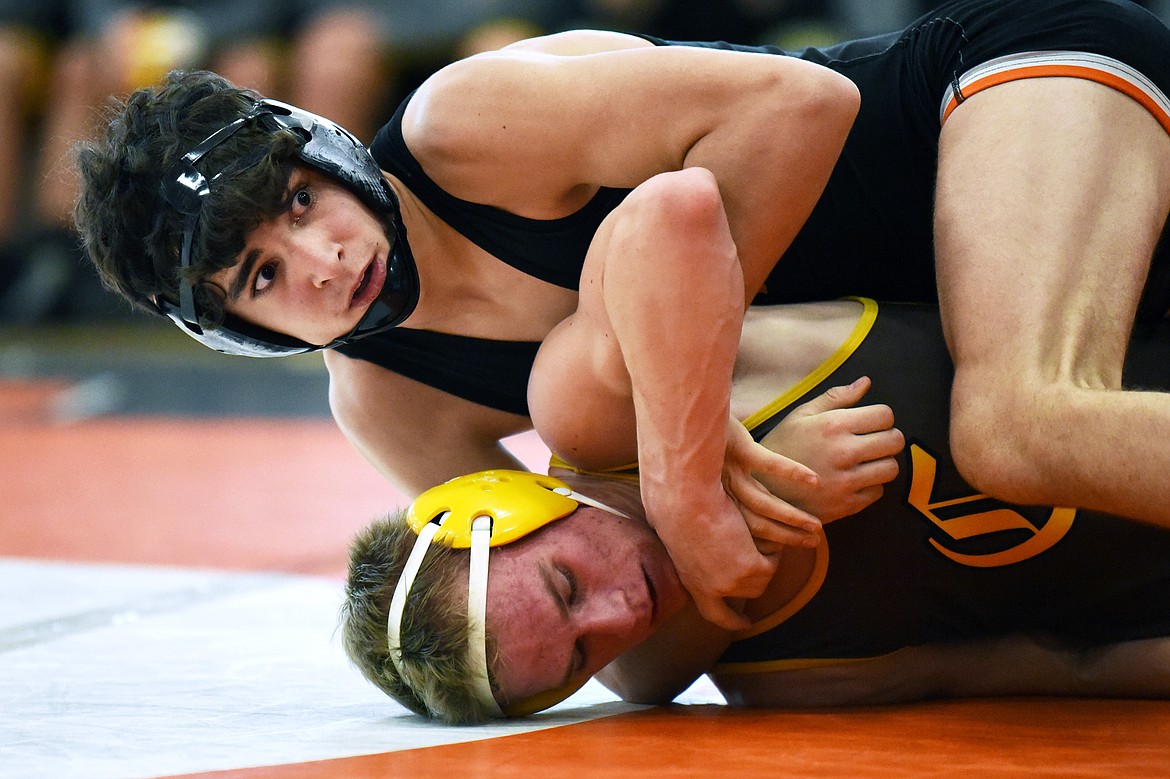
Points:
[874,418]
[757,457]
[768,548]
[884,443]
[867,496]
[878,472]
[716,611]
[754,498]
[766,530]
[854,449]
[762,459]
[836,397]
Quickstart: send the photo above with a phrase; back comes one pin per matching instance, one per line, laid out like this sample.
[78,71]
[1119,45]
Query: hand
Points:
[723,539]
[713,552]
[771,520]
[852,448]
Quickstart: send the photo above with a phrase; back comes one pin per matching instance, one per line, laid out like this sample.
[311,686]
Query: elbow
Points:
[678,201]
[836,101]
[844,96]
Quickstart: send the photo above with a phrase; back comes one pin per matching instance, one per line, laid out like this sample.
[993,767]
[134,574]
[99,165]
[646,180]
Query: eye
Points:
[302,201]
[264,277]
[570,586]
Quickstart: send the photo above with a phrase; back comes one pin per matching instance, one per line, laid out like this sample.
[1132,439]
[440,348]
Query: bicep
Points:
[415,435]
[579,395]
[613,117]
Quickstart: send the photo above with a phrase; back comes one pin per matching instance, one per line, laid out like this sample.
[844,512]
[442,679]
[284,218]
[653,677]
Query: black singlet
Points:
[870,233]
[965,566]
[488,372]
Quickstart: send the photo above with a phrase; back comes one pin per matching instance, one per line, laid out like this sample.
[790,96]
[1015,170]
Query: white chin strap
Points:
[481,535]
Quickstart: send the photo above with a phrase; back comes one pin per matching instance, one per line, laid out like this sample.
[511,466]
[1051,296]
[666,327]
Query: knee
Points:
[676,203]
[1005,441]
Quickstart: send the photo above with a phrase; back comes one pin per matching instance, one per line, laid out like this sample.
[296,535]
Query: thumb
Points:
[836,397]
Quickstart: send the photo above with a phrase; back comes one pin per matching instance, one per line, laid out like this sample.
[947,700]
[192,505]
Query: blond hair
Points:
[436,679]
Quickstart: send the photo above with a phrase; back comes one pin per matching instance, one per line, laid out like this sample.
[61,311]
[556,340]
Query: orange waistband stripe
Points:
[1068,64]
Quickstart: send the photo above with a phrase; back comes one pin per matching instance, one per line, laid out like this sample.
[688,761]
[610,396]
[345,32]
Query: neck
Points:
[621,495]
[464,290]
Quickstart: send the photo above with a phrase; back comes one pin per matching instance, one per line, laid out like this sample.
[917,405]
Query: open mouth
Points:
[370,284]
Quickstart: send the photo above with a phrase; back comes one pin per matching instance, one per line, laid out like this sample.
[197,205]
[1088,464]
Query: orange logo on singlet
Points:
[960,525]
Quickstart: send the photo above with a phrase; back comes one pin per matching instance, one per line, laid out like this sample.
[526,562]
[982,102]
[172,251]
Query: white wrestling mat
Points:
[128,672]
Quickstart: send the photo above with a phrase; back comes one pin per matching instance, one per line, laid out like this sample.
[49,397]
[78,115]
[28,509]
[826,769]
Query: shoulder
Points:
[364,392]
[446,111]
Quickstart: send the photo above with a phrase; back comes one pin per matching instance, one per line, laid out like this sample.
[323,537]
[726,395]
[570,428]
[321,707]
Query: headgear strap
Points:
[485,509]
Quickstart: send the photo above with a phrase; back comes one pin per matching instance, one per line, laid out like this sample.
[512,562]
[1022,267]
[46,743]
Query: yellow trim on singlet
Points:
[627,473]
[869,310]
[822,371]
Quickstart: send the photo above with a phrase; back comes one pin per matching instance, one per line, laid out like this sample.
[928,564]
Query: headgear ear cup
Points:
[517,502]
[477,511]
[331,149]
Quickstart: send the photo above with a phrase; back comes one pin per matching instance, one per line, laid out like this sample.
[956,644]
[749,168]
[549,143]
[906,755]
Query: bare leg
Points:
[1052,194]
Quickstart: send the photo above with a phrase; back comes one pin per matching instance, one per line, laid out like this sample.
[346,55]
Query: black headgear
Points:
[332,150]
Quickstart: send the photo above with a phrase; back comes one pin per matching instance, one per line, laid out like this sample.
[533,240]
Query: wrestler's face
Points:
[312,271]
[566,600]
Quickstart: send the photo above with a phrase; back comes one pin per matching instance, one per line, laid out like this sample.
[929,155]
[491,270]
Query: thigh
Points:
[1051,196]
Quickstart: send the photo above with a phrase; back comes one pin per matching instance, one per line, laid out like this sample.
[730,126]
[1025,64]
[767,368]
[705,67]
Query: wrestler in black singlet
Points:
[871,231]
[934,561]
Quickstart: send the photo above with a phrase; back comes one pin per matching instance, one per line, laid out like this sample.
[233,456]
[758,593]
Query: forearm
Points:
[1028,666]
[1005,666]
[678,335]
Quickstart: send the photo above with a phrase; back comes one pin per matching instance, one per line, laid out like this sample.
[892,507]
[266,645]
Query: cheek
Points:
[528,635]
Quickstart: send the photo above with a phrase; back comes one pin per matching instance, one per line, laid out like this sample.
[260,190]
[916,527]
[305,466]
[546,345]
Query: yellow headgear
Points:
[475,512]
[517,502]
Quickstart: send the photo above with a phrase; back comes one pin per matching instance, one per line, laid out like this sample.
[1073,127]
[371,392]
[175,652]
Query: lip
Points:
[369,284]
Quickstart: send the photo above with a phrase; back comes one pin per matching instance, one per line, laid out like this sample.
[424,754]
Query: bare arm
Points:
[417,436]
[650,349]
[536,133]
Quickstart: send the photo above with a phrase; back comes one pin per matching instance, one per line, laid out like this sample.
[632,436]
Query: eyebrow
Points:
[546,577]
[243,274]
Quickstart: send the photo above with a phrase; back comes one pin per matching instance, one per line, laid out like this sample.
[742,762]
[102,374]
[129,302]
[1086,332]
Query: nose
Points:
[607,625]
[321,264]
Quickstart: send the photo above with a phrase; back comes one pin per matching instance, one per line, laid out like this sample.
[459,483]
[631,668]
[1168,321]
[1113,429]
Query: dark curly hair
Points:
[131,234]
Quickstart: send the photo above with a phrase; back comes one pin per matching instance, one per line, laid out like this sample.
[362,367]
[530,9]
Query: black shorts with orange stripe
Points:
[871,233]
